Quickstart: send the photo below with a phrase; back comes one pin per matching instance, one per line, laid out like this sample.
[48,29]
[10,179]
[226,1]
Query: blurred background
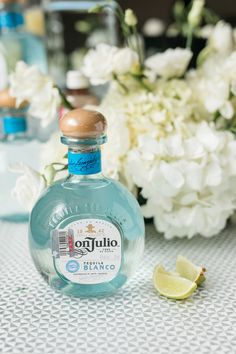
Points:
[55,36]
[70,30]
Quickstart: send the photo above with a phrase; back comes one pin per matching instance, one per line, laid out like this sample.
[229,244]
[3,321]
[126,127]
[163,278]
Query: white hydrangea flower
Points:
[27,83]
[190,188]
[159,112]
[227,110]
[115,150]
[212,83]
[171,63]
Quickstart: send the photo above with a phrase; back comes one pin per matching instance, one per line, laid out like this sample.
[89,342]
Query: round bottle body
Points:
[107,230]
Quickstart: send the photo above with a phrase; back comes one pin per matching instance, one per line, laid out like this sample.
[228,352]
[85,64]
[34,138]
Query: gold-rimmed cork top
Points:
[83,123]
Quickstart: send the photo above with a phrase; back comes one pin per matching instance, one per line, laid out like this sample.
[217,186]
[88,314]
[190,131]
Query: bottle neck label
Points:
[11,19]
[13,125]
[84,163]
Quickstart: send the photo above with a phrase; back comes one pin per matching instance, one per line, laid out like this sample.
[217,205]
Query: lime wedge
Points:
[171,285]
[188,270]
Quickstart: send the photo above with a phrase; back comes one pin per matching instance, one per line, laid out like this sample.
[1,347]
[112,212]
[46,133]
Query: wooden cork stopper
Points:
[82,123]
[6,100]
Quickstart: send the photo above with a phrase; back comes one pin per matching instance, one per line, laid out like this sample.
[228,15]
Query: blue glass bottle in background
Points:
[16,146]
[16,43]
[86,231]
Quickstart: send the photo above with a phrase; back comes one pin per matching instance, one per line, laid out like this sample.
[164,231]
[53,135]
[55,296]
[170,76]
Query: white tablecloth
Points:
[35,319]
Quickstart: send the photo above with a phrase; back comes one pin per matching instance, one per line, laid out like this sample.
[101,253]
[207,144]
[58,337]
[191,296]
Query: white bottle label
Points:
[87,251]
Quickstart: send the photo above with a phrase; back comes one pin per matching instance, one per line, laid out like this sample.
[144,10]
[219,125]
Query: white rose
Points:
[229,67]
[124,60]
[27,83]
[98,64]
[221,38]
[234,34]
[215,93]
[171,63]
[206,31]
[45,105]
[210,83]
[28,187]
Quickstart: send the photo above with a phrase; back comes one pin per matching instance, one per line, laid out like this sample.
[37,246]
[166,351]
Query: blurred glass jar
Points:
[78,90]
[17,146]
[16,43]
[72,30]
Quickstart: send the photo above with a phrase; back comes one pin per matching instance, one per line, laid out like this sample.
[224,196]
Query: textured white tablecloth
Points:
[35,319]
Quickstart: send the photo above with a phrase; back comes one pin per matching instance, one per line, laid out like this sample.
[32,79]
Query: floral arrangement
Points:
[171,130]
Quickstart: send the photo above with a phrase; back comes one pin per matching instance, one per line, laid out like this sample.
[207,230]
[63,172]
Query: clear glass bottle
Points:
[16,146]
[16,43]
[86,232]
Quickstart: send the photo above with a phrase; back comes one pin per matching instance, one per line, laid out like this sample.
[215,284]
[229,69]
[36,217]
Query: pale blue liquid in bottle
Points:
[16,146]
[17,44]
[90,201]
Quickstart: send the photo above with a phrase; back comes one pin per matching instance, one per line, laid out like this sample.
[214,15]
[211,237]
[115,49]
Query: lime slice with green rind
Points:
[190,271]
[172,285]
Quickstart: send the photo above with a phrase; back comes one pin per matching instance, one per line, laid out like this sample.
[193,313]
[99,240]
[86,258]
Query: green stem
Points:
[139,48]
[216,116]
[189,38]
[124,88]
[59,164]
[64,100]
[139,79]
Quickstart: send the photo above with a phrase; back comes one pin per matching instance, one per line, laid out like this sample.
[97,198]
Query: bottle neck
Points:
[13,123]
[84,161]
[11,17]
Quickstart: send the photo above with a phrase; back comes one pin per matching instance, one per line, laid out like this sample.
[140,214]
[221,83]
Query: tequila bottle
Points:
[16,43]
[16,145]
[86,231]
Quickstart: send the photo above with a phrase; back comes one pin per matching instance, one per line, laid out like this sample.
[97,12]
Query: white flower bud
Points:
[195,14]
[130,18]
[49,174]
